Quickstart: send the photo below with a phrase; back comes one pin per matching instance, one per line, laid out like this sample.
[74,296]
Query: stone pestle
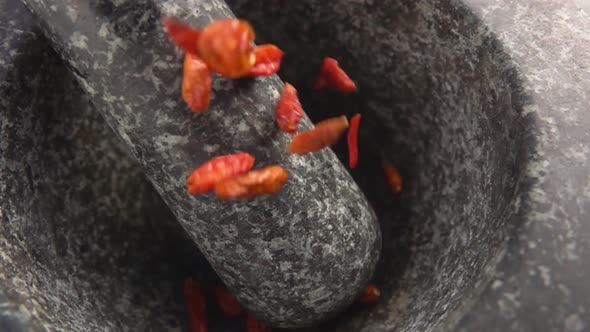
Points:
[293,258]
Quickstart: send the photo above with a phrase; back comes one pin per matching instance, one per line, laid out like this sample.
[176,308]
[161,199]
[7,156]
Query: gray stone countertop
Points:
[543,281]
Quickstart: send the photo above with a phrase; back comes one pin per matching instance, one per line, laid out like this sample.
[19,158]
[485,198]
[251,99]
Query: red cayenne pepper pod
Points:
[370,295]
[326,133]
[227,302]
[194,299]
[204,178]
[394,178]
[182,35]
[352,139]
[226,47]
[289,112]
[333,77]
[196,83]
[265,181]
[268,60]
[254,325]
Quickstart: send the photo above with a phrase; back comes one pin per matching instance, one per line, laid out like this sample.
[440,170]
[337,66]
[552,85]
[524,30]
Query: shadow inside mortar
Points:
[95,246]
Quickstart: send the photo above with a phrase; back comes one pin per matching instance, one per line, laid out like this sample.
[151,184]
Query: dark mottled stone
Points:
[292,258]
[483,105]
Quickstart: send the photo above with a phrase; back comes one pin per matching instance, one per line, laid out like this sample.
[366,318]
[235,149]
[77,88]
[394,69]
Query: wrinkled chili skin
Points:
[254,325]
[268,60]
[370,295]
[393,176]
[204,178]
[352,140]
[182,35]
[194,298]
[333,77]
[196,83]
[227,302]
[289,112]
[326,133]
[226,47]
[265,181]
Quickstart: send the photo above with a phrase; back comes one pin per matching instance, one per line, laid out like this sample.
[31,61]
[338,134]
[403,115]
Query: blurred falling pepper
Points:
[326,133]
[333,77]
[370,295]
[205,177]
[352,140]
[268,180]
[394,178]
[289,112]
[227,302]
[268,60]
[194,299]
[226,47]
[196,83]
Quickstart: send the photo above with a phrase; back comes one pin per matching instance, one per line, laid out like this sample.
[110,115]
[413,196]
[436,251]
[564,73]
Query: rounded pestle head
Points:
[293,258]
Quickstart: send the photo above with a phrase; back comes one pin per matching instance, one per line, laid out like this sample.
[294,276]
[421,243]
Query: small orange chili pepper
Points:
[326,133]
[353,132]
[182,35]
[289,112]
[196,83]
[227,302]
[255,325]
[333,77]
[394,178]
[268,60]
[268,180]
[226,47]
[194,299]
[370,295]
[204,178]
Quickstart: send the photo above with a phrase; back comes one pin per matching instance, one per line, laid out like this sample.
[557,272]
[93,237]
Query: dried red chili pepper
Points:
[394,178]
[254,325]
[194,299]
[182,35]
[268,180]
[206,176]
[326,133]
[289,112]
[196,83]
[370,295]
[227,302]
[268,60]
[226,47]
[353,132]
[333,77]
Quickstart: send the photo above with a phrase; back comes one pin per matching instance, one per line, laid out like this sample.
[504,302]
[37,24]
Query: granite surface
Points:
[291,258]
[480,103]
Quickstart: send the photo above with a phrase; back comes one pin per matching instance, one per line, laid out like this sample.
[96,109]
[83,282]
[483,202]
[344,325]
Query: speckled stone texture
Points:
[86,243]
[482,105]
[292,258]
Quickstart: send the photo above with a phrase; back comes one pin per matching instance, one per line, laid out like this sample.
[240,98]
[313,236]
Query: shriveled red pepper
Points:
[194,299]
[268,60]
[227,302]
[353,132]
[394,178]
[289,112]
[205,177]
[226,47]
[255,325]
[182,35]
[370,295]
[268,180]
[326,133]
[196,83]
[333,77]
